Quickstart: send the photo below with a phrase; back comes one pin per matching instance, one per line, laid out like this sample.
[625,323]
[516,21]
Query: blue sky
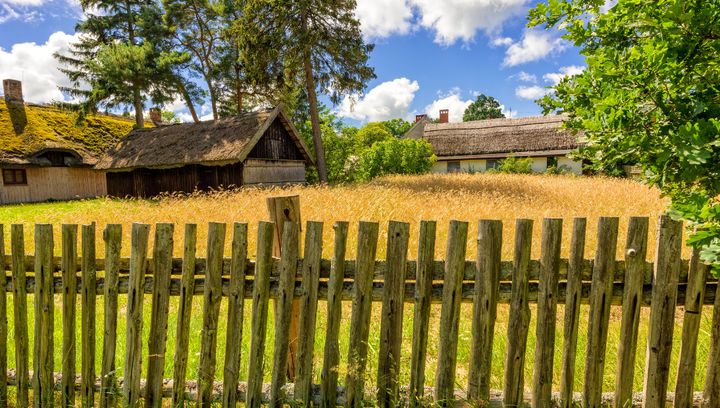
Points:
[429,55]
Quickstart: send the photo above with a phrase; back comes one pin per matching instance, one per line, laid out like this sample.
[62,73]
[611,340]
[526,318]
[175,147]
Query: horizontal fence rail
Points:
[298,279]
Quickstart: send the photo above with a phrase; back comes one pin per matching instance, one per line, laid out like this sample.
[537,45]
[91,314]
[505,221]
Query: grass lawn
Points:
[411,199]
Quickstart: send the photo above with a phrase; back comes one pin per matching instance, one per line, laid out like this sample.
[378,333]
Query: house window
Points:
[14,177]
[492,164]
[453,167]
[552,162]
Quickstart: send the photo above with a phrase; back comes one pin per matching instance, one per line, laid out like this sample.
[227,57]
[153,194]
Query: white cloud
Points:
[526,77]
[451,101]
[33,3]
[532,92]
[454,20]
[508,112]
[7,13]
[534,45]
[35,65]
[555,77]
[501,41]
[382,18]
[388,100]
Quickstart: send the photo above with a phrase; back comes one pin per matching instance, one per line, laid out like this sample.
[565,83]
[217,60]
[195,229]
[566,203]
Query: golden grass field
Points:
[402,198]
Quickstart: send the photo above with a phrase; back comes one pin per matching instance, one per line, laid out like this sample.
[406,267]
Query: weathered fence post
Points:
[69,297]
[519,317]
[572,311]
[635,252]
[450,313]
[600,298]
[421,320]
[662,311]
[43,381]
[711,396]
[88,298]
[20,321]
[182,333]
[281,209]
[391,318]
[113,244]
[3,321]
[487,280]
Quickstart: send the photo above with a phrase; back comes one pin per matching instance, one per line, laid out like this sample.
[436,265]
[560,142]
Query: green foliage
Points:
[559,170]
[484,107]
[513,165]
[649,96]
[397,127]
[395,156]
[369,134]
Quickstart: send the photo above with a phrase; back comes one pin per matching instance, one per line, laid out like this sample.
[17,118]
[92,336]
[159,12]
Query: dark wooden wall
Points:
[276,144]
[151,182]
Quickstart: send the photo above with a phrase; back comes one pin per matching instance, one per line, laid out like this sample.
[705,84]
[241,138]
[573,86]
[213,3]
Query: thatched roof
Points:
[417,129]
[498,137]
[220,142]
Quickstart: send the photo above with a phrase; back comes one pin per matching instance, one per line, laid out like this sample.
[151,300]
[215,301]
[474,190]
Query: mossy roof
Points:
[28,129]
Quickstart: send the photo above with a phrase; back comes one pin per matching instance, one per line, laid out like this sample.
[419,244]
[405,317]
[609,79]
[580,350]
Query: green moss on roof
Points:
[27,129]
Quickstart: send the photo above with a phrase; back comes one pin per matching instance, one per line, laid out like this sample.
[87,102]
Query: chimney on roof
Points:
[444,115]
[418,118]
[12,89]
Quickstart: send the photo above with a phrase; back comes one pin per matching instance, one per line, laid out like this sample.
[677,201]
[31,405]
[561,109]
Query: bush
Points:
[513,165]
[395,156]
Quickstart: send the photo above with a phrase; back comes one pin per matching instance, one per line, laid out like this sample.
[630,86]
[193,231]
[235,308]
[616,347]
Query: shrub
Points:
[395,156]
[513,165]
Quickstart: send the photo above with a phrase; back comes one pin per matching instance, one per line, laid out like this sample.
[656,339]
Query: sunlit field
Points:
[411,199]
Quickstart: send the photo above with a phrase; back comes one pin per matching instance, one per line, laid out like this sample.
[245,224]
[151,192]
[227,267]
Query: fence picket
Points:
[422,300]
[694,299]
[487,281]
[307,303]
[283,310]
[519,322]
[635,252]
[360,317]
[662,311]
[43,381]
[113,244]
[600,296]
[3,321]
[711,394]
[133,338]
[261,294]
[20,321]
[572,311]
[88,297]
[162,260]
[236,302]
[211,312]
[391,319]
[331,361]
[450,314]
[69,304]
[182,331]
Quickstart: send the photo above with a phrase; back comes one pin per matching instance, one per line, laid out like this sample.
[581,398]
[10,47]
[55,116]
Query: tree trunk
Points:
[138,104]
[188,101]
[315,121]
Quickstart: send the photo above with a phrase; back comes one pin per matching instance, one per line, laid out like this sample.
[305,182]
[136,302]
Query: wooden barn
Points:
[254,148]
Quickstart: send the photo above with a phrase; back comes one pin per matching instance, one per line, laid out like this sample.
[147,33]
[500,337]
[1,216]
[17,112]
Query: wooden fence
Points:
[486,281]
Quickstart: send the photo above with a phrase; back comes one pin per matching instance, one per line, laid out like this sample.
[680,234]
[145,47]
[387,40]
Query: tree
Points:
[317,42]
[119,57]
[369,134]
[395,156]
[649,96]
[397,127]
[484,107]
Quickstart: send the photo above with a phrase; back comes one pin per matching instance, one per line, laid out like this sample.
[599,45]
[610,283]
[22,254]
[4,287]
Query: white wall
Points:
[575,166]
[439,167]
[539,165]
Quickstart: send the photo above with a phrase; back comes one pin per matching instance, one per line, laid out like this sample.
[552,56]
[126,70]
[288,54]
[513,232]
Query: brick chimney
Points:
[444,116]
[12,89]
[418,118]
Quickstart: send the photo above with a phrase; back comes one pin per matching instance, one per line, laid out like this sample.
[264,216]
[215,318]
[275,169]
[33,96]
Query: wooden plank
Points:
[635,253]
[600,296]
[43,364]
[157,340]
[572,311]
[694,299]
[283,310]
[662,311]
[113,245]
[307,302]
[69,304]
[391,319]
[421,314]
[711,396]
[261,294]
[331,361]
[450,314]
[20,318]
[236,301]
[88,296]
[182,332]
[546,312]
[3,322]
[487,280]
[211,312]
[360,316]
[134,322]
[519,317]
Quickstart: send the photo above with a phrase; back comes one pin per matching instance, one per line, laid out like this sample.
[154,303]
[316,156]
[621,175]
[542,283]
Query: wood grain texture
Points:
[113,246]
[43,356]
[88,298]
[69,304]
[3,322]
[20,318]
[182,331]
[711,396]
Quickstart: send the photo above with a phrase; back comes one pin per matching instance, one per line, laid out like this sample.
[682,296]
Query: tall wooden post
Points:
[280,210]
